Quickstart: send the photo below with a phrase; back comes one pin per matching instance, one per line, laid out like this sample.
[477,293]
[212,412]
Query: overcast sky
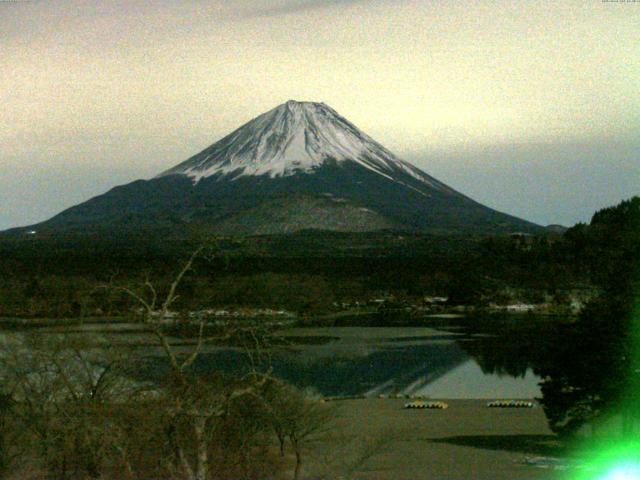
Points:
[532,108]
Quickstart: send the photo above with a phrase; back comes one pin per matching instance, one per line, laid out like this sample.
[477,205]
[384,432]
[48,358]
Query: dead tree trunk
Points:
[296,448]
[202,450]
[296,472]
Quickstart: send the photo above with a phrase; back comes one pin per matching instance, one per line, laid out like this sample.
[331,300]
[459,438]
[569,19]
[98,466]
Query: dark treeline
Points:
[47,275]
[62,283]
[595,371]
[591,366]
[305,272]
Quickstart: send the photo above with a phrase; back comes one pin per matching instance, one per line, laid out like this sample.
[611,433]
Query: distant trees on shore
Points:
[594,370]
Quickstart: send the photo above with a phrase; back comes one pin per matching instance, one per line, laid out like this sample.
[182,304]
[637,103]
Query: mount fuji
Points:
[299,166]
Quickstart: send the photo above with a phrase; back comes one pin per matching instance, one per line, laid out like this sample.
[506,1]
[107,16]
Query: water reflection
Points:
[474,359]
[504,355]
[419,361]
[469,380]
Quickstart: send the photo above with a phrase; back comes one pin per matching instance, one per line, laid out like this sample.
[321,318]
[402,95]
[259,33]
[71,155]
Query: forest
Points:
[308,272]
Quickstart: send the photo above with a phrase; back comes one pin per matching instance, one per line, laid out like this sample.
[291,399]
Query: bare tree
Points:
[296,418]
[7,429]
[191,399]
[62,393]
[85,415]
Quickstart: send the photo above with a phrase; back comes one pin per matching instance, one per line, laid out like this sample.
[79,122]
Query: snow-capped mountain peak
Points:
[295,137]
[300,166]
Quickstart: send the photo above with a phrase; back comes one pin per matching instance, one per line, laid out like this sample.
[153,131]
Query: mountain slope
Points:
[296,137]
[298,166]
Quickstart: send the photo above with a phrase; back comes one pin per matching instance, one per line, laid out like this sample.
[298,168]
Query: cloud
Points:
[292,7]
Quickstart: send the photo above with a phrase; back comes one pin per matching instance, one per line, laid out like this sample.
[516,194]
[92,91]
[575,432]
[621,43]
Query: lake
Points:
[454,359]
[425,361]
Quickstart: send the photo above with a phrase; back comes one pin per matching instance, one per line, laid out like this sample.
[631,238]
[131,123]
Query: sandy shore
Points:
[466,441]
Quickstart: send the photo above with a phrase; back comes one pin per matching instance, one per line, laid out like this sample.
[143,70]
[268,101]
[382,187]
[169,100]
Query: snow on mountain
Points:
[300,166]
[296,137]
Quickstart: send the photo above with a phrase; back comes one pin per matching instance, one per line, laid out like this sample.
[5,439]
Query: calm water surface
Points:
[372,361]
[444,361]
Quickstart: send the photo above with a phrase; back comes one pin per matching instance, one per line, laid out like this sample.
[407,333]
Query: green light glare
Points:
[611,462]
[616,457]
[614,452]
[625,472]
[619,458]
